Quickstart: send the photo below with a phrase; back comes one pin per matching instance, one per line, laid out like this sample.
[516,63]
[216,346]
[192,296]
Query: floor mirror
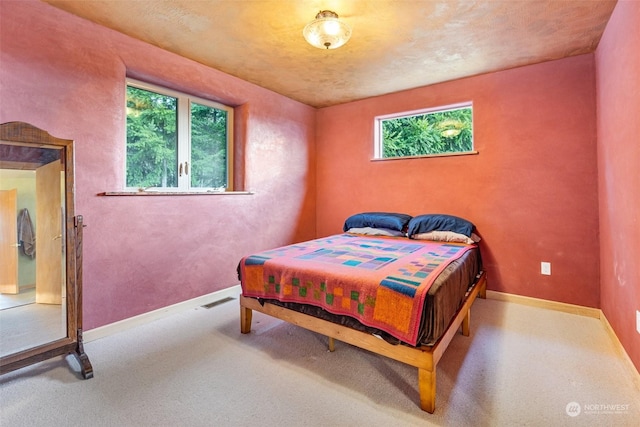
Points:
[40,250]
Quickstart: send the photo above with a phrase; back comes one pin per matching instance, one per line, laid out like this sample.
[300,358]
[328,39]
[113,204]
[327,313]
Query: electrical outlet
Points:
[638,321]
[545,268]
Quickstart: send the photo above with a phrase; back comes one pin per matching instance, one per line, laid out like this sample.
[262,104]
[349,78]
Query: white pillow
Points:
[447,236]
[370,231]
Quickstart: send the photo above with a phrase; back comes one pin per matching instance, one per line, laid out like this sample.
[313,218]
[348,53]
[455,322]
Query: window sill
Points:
[174,193]
[426,156]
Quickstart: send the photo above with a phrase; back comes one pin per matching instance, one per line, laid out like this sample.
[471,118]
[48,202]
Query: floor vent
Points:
[222,301]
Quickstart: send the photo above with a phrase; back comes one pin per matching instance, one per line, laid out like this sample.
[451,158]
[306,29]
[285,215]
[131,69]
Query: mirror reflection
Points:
[32,246]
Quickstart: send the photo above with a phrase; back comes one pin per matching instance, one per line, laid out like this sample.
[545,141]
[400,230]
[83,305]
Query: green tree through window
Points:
[175,141]
[208,147]
[432,132]
[152,142]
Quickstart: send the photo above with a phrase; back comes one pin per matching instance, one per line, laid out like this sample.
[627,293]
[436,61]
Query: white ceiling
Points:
[396,44]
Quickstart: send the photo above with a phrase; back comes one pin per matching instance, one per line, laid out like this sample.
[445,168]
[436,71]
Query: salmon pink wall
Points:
[531,191]
[618,88]
[67,76]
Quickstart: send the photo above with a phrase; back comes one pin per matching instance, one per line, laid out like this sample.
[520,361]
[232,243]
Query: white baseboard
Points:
[123,325]
[620,349]
[543,303]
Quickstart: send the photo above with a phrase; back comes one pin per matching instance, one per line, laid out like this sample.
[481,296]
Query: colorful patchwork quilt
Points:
[381,281]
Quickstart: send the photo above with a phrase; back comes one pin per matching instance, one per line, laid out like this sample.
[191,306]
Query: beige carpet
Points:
[521,366]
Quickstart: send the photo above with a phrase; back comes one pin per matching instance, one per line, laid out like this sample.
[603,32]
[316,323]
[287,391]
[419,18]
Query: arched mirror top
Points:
[25,132]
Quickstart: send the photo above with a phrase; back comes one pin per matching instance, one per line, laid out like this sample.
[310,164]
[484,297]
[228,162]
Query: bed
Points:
[396,285]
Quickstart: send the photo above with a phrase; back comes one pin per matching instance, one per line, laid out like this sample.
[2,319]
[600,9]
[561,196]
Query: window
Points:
[177,142]
[435,131]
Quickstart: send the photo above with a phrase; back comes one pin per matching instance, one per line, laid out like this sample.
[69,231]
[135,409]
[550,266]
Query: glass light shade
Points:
[327,31]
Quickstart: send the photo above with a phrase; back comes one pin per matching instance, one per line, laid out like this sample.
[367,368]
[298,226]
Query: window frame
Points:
[183,132]
[378,148]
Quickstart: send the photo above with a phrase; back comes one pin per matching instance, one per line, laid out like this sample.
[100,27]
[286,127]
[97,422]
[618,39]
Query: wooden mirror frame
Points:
[25,134]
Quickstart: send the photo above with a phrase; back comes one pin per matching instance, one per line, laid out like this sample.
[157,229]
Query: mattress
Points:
[445,295]
[443,300]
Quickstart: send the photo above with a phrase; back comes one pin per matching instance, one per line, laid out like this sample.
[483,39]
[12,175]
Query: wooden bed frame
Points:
[425,358]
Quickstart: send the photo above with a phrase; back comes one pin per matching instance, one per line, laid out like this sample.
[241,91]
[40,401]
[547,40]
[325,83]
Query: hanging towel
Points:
[26,234]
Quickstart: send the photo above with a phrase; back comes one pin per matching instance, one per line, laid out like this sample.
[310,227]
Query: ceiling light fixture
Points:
[327,31]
